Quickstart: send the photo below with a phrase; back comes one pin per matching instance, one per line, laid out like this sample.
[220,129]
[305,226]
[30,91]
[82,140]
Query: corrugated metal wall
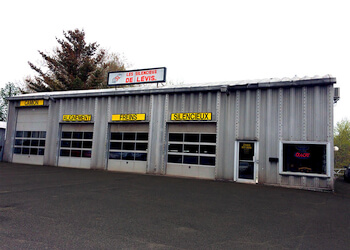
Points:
[268,116]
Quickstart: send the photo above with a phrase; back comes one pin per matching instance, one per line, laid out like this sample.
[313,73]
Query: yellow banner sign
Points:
[191,117]
[77,118]
[31,103]
[129,117]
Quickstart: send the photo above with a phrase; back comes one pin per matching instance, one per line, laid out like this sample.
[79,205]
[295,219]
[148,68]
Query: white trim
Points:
[328,160]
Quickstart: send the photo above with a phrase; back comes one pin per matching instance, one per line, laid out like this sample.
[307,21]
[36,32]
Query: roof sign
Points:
[137,76]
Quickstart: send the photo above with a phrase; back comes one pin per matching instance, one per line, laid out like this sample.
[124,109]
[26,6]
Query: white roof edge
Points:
[151,86]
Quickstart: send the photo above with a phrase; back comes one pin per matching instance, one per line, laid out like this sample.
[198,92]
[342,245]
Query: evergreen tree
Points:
[73,65]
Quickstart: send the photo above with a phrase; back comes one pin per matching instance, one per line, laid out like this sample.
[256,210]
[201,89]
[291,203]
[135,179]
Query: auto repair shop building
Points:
[276,131]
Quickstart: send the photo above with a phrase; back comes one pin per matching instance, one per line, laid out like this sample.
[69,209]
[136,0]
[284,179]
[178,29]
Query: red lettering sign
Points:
[302,155]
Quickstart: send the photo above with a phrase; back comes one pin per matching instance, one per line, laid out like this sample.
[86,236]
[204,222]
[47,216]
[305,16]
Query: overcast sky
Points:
[198,41]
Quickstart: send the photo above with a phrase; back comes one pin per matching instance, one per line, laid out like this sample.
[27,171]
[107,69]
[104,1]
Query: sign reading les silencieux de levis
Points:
[137,76]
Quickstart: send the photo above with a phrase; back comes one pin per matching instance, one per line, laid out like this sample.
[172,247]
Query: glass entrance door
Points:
[246,171]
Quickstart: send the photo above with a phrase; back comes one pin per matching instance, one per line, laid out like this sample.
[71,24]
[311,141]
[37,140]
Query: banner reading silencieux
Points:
[191,116]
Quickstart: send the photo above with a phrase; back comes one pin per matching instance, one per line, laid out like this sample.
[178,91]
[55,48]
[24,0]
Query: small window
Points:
[35,143]
[17,150]
[305,158]
[192,137]
[191,148]
[86,154]
[67,135]
[129,137]
[115,145]
[42,134]
[26,142]
[65,152]
[34,151]
[87,144]
[128,156]
[25,151]
[176,137]
[141,146]
[77,135]
[140,157]
[77,144]
[88,135]
[209,161]
[35,134]
[128,146]
[75,153]
[175,158]
[116,136]
[208,138]
[142,136]
[208,149]
[175,148]
[189,159]
[115,155]
[18,142]
[65,144]
[19,134]
[27,134]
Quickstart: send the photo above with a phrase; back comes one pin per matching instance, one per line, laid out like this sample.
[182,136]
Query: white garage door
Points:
[192,150]
[128,148]
[30,137]
[76,145]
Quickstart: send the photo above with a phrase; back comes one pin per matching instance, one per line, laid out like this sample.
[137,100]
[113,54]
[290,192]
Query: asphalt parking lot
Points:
[59,208]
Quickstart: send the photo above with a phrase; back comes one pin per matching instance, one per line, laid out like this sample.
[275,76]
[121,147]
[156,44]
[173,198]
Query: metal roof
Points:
[170,88]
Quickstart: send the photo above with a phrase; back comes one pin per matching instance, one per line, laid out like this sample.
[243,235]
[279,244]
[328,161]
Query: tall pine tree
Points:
[73,65]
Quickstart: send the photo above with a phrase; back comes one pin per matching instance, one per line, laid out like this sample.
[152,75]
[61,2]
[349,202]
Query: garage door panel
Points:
[193,127]
[128,148]
[74,162]
[30,137]
[76,146]
[192,150]
[129,127]
[28,159]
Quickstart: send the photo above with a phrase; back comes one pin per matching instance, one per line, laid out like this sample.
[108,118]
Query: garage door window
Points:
[128,146]
[192,148]
[76,144]
[30,142]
